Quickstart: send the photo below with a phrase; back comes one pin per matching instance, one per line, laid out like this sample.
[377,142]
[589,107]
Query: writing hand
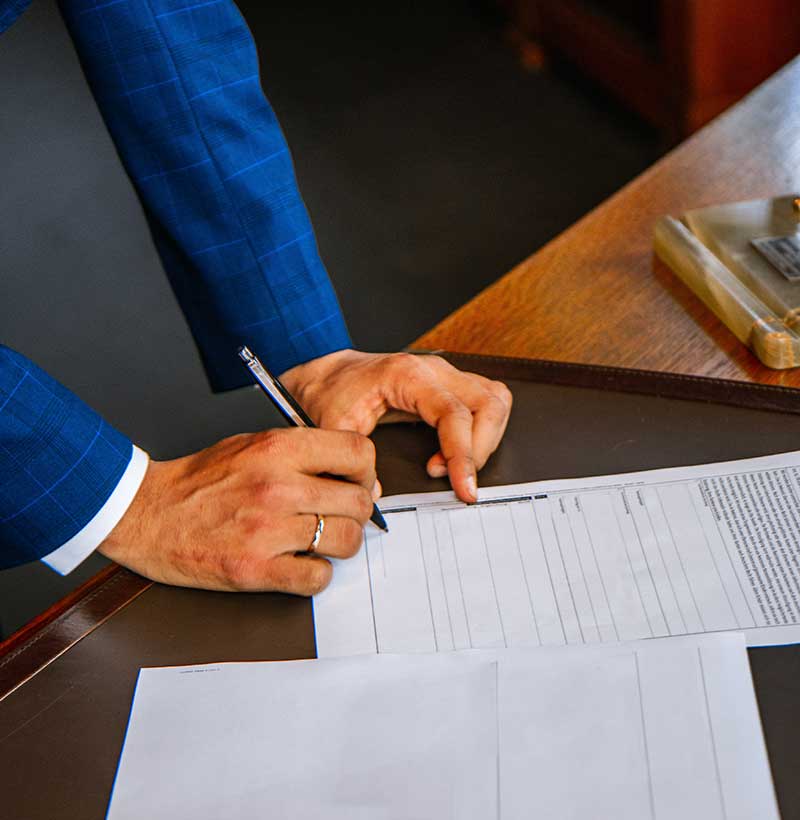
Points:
[234,516]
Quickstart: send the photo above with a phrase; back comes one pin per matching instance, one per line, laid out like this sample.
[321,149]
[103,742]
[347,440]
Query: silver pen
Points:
[289,408]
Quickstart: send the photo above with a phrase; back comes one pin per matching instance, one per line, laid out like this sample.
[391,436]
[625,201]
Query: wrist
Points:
[129,530]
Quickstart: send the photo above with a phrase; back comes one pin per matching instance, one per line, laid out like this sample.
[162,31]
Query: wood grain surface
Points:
[597,295]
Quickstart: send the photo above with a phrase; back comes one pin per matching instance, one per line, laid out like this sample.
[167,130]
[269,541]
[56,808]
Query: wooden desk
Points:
[71,681]
[596,295]
[70,676]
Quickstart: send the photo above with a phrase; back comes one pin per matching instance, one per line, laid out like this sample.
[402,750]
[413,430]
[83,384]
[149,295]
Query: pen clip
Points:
[280,396]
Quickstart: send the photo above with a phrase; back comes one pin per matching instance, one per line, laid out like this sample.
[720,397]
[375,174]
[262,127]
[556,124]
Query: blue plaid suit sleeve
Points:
[10,10]
[59,461]
[178,85]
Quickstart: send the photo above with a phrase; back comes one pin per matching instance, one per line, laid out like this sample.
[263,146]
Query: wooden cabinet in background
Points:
[678,63]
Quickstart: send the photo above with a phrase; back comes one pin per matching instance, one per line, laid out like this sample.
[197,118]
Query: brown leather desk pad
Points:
[61,729]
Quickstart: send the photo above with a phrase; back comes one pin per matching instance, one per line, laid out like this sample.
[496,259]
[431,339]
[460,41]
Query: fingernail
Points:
[377,490]
[437,470]
[472,486]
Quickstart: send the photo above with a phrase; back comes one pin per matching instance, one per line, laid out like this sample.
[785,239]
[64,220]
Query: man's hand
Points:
[350,390]
[233,517]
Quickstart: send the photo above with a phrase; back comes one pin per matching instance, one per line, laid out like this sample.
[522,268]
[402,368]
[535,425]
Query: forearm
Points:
[178,87]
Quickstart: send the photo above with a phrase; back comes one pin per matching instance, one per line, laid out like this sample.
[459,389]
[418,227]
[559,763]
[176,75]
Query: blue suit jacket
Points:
[178,85]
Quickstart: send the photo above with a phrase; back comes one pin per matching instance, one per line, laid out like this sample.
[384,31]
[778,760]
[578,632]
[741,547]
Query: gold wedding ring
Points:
[317,534]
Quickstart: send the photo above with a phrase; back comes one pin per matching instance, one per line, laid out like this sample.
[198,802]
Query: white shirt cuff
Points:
[65,558]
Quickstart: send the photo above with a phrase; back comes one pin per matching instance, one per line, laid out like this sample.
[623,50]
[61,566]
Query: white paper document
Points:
[352,739]
[649,730]
[667,552]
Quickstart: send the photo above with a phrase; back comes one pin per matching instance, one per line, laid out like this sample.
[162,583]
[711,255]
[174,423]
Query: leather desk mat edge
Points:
[55,631]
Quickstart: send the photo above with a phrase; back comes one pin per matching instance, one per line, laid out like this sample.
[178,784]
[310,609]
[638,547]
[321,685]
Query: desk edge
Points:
[39,642]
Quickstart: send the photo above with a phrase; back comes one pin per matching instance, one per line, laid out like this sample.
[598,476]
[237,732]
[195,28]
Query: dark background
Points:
[430,161]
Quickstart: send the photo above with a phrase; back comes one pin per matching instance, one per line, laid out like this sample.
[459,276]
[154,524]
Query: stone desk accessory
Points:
[743,261]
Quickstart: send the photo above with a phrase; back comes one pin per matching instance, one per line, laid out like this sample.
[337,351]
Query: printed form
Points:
[678,551]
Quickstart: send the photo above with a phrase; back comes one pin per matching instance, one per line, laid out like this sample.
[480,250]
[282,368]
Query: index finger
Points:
[453,422]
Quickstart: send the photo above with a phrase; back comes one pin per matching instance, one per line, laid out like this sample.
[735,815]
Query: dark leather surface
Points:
[61,732]
[624,379]
[39,642]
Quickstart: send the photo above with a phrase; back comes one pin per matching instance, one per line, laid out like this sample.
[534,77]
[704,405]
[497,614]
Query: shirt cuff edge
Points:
[77,549]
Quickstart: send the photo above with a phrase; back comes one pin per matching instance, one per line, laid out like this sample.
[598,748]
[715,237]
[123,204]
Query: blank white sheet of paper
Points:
[647,730]
[680,551]
[385,738]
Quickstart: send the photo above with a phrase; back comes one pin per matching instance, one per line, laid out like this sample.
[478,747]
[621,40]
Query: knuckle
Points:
[238,571]
[281,578]
[369,449]
[502,393]
[285,579]
[495,406]
[270,494]
[403,365]
[251,523]
[363,504]
[352,538]
[361,447]
[311,496]
[270,443]
[404,360]
[317,575]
